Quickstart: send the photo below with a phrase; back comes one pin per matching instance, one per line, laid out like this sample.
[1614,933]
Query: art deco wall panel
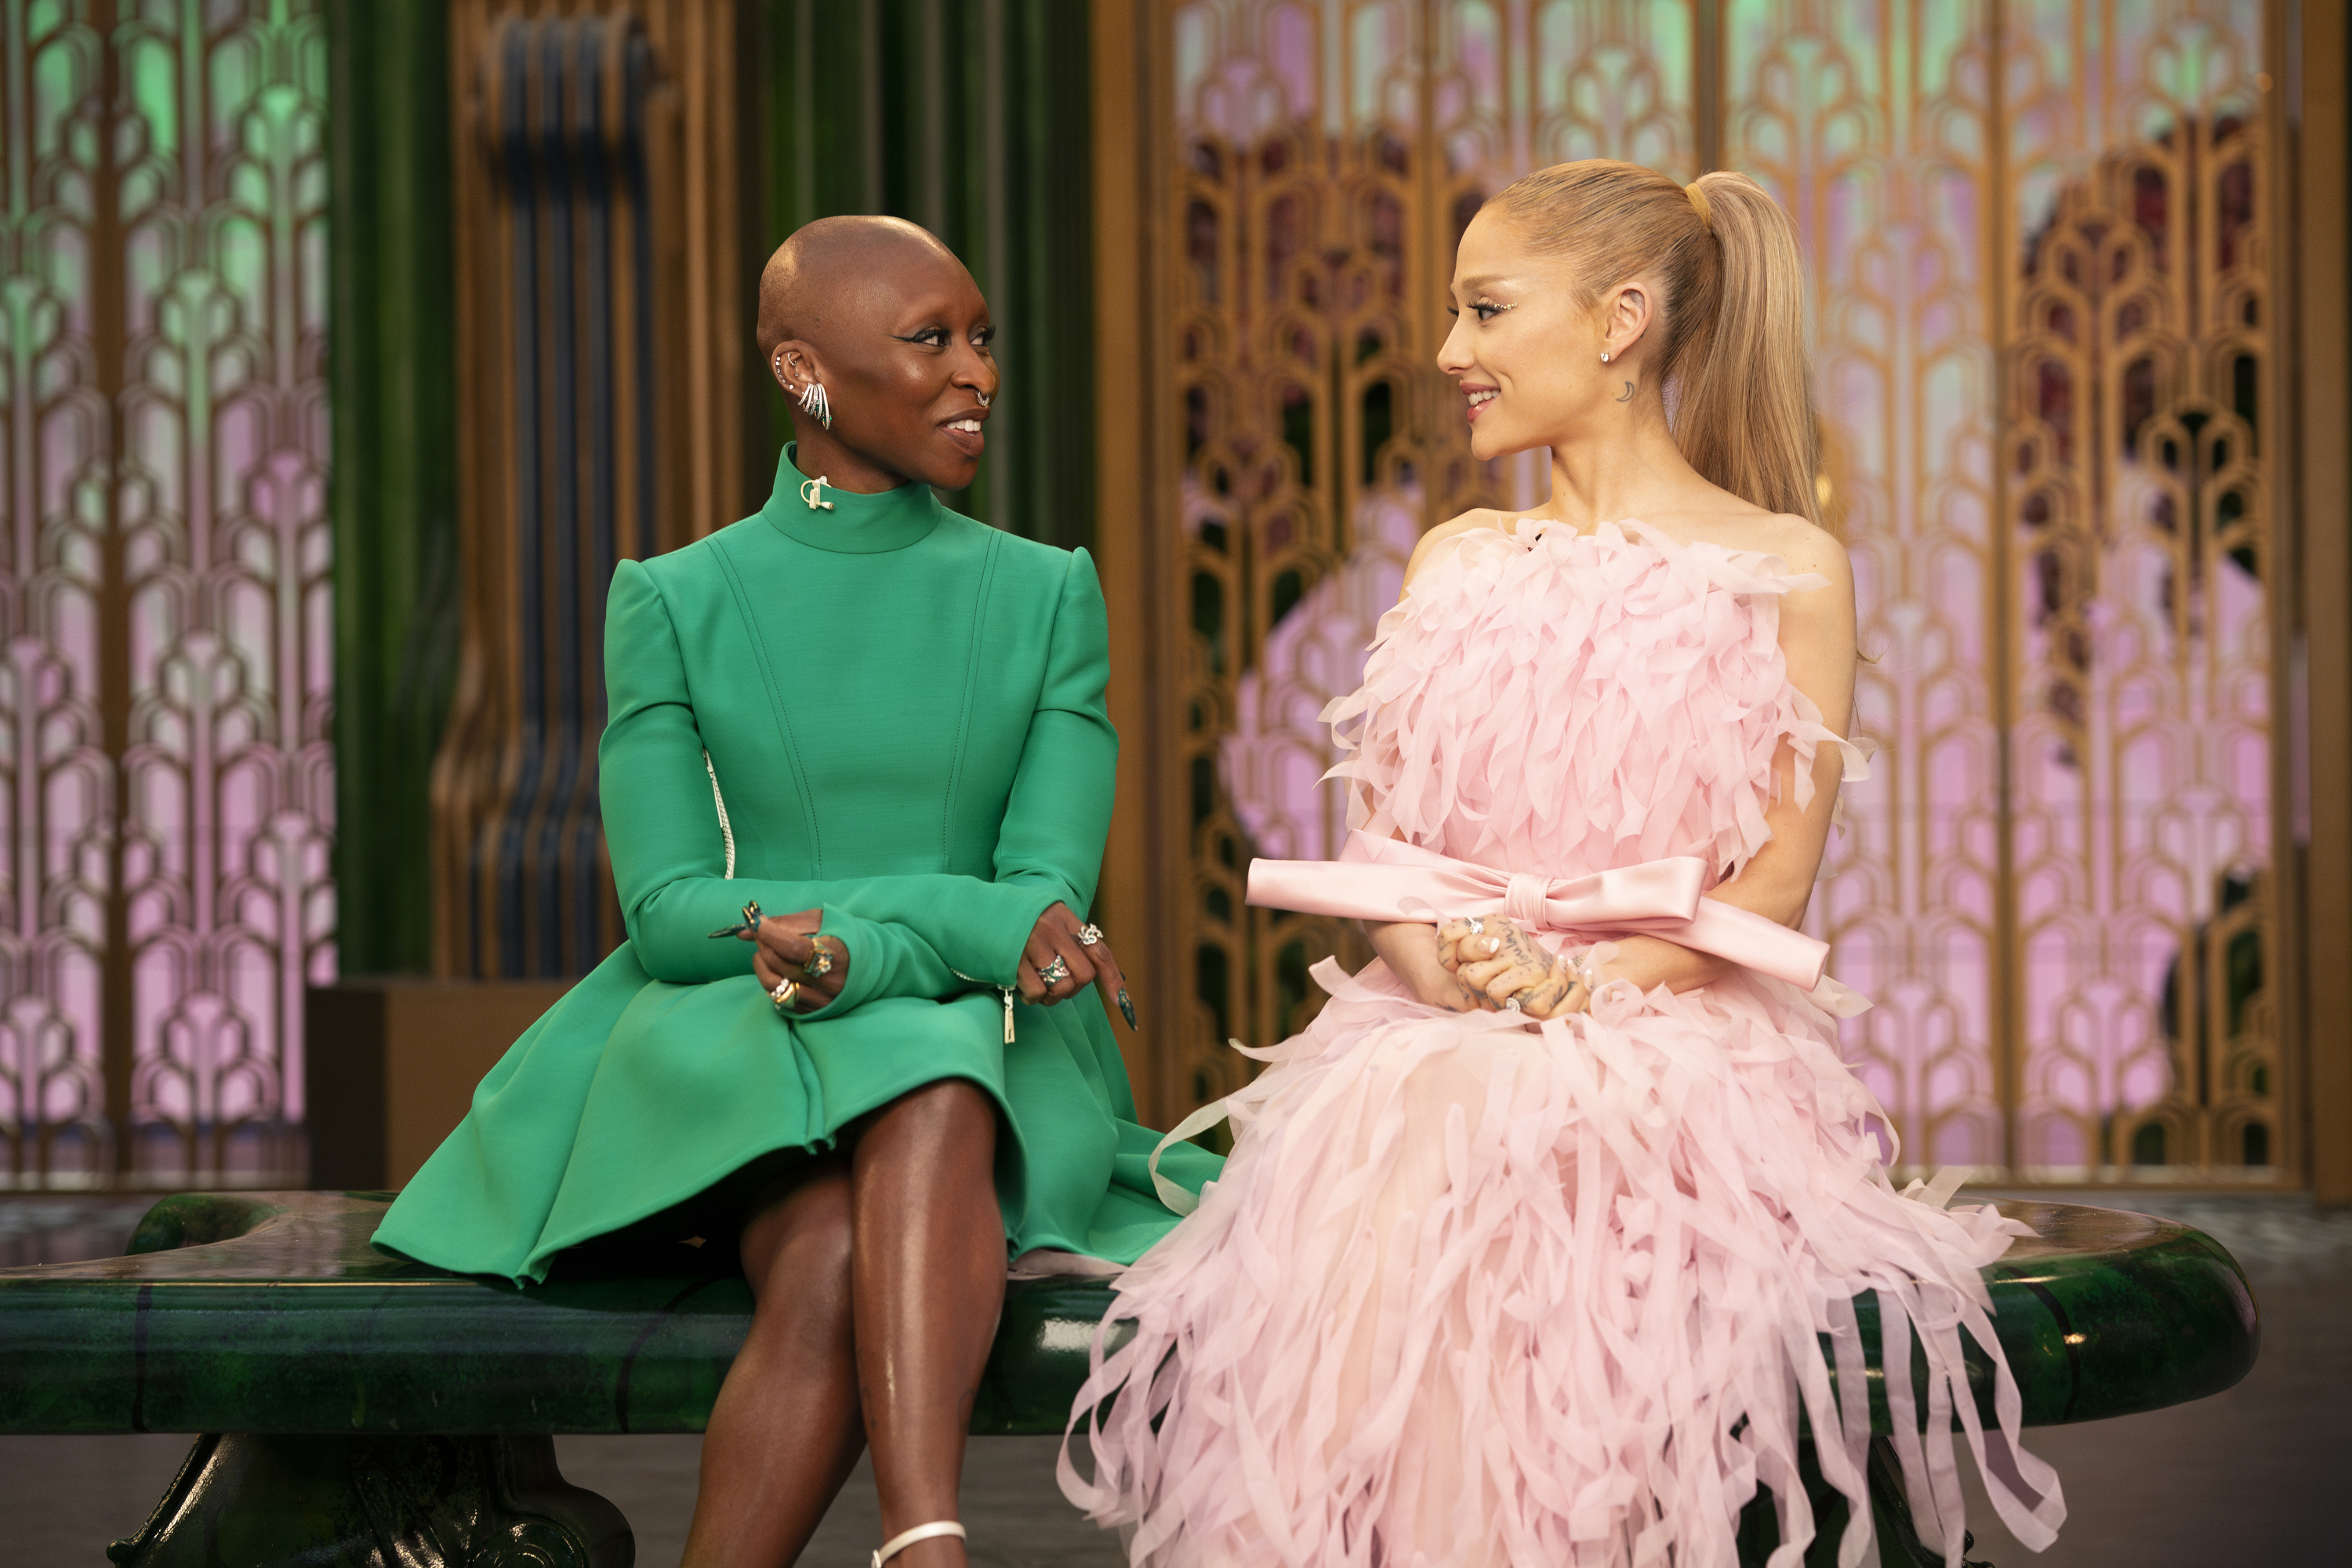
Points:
[164,759]
[2041,238]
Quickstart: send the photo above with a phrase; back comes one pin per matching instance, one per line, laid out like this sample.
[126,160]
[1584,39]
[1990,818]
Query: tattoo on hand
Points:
[1523,948]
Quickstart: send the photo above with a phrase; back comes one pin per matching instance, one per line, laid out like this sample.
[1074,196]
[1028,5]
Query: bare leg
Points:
[785,1431]
[928,1280]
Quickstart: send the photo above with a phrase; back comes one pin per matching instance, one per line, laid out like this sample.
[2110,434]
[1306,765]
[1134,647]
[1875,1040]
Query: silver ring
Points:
[786,989]
[1089,934]
[1513,1005]
[1477,927]
[1054,973]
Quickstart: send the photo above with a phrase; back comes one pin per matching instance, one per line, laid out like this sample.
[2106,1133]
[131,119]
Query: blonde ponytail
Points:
[1731,346]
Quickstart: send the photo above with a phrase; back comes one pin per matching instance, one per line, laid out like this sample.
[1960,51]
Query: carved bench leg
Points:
[248,1500]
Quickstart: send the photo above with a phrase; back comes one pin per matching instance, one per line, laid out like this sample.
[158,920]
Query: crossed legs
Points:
[876,1277]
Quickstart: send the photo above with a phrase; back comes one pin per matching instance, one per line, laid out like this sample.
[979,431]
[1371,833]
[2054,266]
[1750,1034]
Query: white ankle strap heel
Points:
[904,1538]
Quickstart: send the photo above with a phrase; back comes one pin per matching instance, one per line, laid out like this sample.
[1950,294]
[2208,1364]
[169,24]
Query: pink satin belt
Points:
[1387,879]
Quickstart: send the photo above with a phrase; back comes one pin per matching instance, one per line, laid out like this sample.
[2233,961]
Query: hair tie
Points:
[1698,205]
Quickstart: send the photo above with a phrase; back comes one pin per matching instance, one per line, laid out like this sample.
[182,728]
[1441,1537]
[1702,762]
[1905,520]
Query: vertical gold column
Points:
[697,40]
[2323,336]
[1143,861]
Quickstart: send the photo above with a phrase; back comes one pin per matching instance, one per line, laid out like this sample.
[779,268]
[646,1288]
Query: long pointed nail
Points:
[1127,1011]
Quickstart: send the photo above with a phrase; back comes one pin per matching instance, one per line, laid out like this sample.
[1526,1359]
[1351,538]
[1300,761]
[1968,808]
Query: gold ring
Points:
[786,989]
[820,959]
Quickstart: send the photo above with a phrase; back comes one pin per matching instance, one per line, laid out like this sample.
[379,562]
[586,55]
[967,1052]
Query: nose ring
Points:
[984,398]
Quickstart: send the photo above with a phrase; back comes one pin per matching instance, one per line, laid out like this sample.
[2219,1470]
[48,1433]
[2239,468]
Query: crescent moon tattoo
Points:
[1627,395]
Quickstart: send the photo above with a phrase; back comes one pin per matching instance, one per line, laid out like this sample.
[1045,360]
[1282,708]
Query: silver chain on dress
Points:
[726,828]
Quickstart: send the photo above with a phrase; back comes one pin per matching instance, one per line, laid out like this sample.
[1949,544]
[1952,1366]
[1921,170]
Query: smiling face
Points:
[1525,345]
[895,330]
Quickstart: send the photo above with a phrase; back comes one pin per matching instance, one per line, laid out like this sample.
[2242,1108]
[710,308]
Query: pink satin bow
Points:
[1387,879]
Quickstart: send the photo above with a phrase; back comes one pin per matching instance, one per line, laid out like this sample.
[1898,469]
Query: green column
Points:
[971,118]
[391,379]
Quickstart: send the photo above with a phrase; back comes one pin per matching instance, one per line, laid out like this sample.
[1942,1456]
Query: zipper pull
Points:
[1004,991]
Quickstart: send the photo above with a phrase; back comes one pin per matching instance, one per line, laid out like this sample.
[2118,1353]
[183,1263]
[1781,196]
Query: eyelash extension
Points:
[1484,305]
[923,338]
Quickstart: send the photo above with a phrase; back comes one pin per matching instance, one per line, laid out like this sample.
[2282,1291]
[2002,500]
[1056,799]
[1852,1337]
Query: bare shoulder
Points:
[1821,617]
[1806,547]
[1476,517]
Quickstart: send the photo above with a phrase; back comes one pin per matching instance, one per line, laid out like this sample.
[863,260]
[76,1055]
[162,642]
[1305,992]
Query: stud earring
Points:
[1604,356]
[815,402]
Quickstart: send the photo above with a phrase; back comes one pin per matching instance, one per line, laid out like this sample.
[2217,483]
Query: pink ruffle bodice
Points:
[1563,703]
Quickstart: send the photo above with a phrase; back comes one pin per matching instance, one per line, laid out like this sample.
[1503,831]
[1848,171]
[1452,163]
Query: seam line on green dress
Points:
[963,715]
[775,702]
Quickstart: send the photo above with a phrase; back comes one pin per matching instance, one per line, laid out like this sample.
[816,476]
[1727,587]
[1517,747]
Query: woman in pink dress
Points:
[1527,1247]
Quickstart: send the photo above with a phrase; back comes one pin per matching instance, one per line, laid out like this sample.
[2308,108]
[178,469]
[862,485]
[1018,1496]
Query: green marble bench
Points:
[356,1409]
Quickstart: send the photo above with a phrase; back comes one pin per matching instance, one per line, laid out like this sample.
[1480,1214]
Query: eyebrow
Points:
[1481,282]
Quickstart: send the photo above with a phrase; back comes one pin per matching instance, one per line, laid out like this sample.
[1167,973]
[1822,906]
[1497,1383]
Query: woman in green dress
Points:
[862,707]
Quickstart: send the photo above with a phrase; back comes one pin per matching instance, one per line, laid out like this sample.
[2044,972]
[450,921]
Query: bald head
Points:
[827,263]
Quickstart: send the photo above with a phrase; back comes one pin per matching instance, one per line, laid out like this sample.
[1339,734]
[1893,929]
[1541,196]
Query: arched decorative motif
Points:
[2041,240]
[1315,225]
[164,596]
[2141,753]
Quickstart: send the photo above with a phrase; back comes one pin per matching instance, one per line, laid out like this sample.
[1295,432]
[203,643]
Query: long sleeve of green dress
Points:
[915,935]
[902,712]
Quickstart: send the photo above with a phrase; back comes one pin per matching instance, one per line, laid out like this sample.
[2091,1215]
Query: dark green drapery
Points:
[392,380]
[971,118]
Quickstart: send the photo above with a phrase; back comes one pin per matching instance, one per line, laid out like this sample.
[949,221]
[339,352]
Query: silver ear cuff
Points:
[815,402]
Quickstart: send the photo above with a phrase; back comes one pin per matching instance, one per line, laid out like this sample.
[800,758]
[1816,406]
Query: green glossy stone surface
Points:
[269,1312]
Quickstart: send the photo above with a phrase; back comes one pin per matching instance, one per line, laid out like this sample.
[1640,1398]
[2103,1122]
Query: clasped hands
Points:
[1501,966]
[1061,958]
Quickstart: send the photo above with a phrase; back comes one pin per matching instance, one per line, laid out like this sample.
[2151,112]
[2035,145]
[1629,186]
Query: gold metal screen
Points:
[2042,239]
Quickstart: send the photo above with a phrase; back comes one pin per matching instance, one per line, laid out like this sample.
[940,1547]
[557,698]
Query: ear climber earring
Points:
[813,400]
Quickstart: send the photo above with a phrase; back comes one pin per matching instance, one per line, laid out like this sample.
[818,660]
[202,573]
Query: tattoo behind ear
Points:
[1627,395]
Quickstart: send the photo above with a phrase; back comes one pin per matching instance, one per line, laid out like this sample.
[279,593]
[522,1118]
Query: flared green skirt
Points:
[631,1097]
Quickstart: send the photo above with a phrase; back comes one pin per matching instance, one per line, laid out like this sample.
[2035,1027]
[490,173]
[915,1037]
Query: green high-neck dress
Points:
[902,713]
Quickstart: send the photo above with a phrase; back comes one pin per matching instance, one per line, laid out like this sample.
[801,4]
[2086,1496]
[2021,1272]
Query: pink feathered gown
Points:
[1473,1291]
